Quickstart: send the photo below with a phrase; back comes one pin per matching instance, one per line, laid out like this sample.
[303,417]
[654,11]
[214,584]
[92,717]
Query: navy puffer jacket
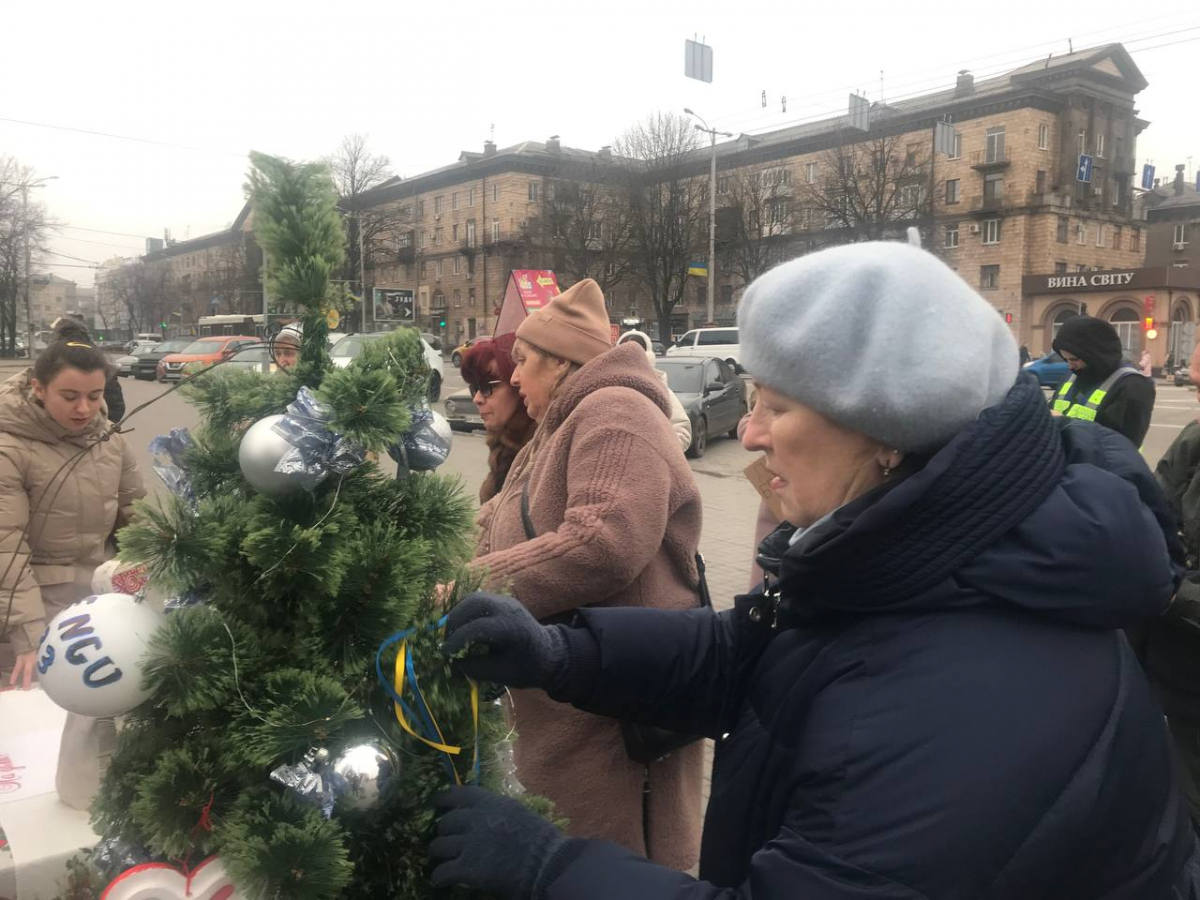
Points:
[935,702]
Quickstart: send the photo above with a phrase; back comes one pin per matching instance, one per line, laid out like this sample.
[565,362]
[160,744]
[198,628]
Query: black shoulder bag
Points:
[643,743]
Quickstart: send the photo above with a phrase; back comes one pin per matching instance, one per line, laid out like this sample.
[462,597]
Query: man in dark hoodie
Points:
[1102,387]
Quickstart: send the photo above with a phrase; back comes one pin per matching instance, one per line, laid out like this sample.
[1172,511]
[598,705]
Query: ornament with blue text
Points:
[89,661]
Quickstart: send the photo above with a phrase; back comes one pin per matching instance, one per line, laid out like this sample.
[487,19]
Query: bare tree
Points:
[870,189]
[667,202]
[588,227]
[756,220]
[136,295]
[22,224]
[380,232]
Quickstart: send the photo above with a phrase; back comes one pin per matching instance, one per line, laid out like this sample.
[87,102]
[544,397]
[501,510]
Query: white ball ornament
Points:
[89,661]
[261,450]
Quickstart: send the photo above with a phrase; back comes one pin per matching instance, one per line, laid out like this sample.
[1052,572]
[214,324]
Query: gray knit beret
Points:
[881,337]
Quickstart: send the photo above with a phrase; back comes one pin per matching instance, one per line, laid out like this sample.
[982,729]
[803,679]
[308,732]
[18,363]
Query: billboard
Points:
[395,306]
[528,290]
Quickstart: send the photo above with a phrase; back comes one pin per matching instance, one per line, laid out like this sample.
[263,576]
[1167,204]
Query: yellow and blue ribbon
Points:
[430,732]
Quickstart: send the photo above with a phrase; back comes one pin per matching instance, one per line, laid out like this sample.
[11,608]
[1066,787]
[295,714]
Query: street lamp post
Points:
[712,214]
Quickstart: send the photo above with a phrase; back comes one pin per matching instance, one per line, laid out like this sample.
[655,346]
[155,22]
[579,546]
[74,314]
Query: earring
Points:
[887,471]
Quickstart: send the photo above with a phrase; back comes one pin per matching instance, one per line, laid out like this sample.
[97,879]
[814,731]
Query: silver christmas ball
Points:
[361,773]
[429,446]
[260,452]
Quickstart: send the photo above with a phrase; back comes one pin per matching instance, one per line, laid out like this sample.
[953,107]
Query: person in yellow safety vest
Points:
[1103,388]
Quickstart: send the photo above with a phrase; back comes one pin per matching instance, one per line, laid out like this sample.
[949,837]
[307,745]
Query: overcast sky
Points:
[209,81]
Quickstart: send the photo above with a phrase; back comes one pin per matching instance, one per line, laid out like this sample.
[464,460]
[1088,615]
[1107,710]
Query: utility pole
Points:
[710,313]
[362,271]
[28,274]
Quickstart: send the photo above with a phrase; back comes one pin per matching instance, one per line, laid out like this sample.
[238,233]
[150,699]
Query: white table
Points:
[42,833]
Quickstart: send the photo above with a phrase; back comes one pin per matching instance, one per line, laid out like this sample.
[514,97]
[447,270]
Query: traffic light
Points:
[1148,323]
[442,323]
[1008,318]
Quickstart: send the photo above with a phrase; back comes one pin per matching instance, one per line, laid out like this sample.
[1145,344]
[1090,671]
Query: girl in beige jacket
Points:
[65,487]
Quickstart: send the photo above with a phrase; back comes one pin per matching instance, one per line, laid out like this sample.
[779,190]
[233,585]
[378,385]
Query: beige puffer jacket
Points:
[70,534]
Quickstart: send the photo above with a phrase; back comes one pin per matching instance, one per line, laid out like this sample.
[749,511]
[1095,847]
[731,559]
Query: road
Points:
[730,503]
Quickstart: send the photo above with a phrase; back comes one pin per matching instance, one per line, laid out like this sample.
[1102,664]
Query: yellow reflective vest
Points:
[1069,405]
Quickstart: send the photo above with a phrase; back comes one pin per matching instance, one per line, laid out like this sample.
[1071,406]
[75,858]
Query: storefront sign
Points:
[1099,279]
[1112,280]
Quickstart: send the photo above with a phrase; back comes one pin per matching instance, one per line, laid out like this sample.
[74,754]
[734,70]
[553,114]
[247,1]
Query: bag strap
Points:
[705,596]
[526,521]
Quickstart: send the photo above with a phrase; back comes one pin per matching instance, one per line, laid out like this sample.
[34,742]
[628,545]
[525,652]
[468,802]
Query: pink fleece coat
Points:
[617,517]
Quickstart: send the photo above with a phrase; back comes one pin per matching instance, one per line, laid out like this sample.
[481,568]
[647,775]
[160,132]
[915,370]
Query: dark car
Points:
[461,413]
[146,366]
[714,397]
[1183,375]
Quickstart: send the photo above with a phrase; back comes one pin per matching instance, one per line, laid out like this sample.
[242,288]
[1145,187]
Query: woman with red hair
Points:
[487,367]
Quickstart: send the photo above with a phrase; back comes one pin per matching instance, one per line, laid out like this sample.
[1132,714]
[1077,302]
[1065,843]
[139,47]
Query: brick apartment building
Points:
[1004,204]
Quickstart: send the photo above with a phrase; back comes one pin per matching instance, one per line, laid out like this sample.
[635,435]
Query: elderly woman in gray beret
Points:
[930,697]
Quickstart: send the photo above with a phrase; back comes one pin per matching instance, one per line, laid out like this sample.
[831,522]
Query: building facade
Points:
[1007,201]
[1173,224]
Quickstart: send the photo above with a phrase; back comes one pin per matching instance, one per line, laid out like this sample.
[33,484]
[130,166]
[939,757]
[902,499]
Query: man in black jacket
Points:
[1102,388]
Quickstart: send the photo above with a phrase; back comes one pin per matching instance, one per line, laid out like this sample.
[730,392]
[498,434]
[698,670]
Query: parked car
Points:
[206,350]
[147,357]
[459,410]
[659,349]
[348,346]
[1051,370]
[1183,375]
[432,340]
[125,364]
[719,342]
[456,354]
[711,392]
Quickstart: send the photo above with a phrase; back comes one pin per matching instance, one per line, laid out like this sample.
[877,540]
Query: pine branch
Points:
[178,547]
[301,710]
[366,406]
[277,847]
[190,664]
[172,799]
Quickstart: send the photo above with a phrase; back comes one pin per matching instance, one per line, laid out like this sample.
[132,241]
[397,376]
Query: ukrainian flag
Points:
[698,268]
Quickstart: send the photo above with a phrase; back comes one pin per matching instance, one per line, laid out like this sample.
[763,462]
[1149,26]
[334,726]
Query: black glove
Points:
[510,646]
[494,844]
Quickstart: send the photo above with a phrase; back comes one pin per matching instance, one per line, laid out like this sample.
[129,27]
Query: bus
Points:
[216,326]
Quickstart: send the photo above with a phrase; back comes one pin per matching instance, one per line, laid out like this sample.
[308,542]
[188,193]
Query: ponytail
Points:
[71,347]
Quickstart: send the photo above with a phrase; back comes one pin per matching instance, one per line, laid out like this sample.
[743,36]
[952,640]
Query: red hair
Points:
[476,361]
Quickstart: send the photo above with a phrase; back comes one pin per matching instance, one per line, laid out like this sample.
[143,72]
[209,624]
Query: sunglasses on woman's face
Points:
[485,389]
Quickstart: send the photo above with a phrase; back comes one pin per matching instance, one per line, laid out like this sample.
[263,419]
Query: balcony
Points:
[505,238]
[986,204]
[991,159]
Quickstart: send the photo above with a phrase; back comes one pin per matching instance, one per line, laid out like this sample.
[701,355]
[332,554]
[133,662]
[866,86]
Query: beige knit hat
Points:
[573,326]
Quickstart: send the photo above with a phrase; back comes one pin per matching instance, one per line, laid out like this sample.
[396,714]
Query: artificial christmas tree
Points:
[273,738]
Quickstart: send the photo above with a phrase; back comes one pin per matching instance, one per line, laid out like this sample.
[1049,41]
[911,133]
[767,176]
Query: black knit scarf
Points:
[888,547]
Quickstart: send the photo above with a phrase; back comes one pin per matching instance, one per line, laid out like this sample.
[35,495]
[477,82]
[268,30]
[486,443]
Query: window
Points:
[951,240]
[471,197]
[951,190]
[470,266]
[993,190]
[437,205]
[1081,232]
[1082,137]
[454,234]
[909,198]
[1135,238]
[421,208]
[457,298]
[723,184]
[1180,233]
[1100,146]
[424,269]
[439,300]
[423,238]
[495,229]
[991,231]
[437,268]
[910,155]
[470,296]
[956,147]
[1064,225]
[1081,268]
[1127,323]
[989,277]
[1043,136]
[810,172]
[454,200]
[1040,182]
[458,265]
[495,193]
[1100,235]
[1060,268]
[533,191]
[995,145]
[437,237]
[718,336]
[470,232]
